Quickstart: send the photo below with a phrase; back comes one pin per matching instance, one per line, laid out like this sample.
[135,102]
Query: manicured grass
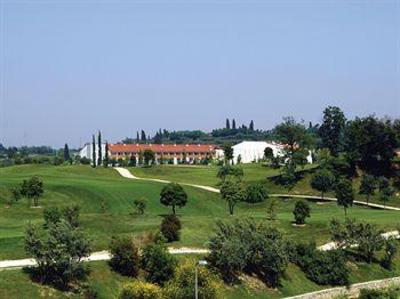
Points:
[90,187]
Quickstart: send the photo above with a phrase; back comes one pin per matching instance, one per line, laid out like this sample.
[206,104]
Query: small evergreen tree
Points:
[100,155]
[227,125]
[67,156]
[93,151]
[301,212]
[233,124]
[124,256]
[251,126]
[106,160]
[143,136]
[170,227]
[137,137]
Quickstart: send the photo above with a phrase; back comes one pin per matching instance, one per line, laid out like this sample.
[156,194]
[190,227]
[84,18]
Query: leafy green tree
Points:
[33,189]
[170,227]
[140,206]
[148,156]
[93,151]
[271,209]
[301,212]
[386,194]
[370,143]
[71,214]
[67,156]
[288,175]
[182,284]
[230,171]
[367,186]
[268,153]
[140,290]
[51,215]
[173,195]
[58,250]
[255,193]
[232,193]
[125,257]
[391,248]
[323,181]
[15,193]
[228,152]
[332,128]
[158,263]
[344,194]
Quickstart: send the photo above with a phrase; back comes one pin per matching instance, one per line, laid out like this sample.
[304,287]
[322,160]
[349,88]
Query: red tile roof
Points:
[192,148]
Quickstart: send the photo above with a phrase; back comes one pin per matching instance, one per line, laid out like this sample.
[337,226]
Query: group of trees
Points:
[99,159]
[164,278]
[32,189]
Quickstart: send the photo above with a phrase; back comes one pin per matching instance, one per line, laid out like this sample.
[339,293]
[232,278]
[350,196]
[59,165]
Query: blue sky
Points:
[69,68]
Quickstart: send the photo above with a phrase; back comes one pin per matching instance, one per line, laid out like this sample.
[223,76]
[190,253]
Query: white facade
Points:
[86,151]
[253,151]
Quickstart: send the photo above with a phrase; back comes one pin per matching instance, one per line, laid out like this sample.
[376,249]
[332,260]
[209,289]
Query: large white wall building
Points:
[253,151]
[87,149]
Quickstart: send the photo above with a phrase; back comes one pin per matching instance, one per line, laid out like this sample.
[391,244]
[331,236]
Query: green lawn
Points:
[90,187]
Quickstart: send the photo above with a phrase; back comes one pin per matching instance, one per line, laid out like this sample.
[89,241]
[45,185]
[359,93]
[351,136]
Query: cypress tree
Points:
[100,156]
[227,126]
[251,126]
[143,137]
[93,151]
[67,156]
[137,137]
[233,124]
[106,158]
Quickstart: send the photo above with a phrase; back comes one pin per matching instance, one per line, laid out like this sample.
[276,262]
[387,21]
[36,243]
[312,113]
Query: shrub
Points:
[170,227]
[255,193]
[379,294]
[182,285]
[301,211]
[390,252]
[140,290]
[140,206]
[158,263]
[125,256]
[322,267]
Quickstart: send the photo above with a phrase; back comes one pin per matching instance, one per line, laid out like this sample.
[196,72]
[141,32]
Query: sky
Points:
[70,68]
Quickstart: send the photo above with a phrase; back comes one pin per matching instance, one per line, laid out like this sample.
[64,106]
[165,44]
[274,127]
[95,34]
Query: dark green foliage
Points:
[242,245]
[255,193]
[268,153]
[251,126]
[140,206]
[332,129]
[379,294]
[391,248]
[367,186]
[173,195]
[229,171]
[32,189]
[143,137]
[323,181]
[387,193]
[368,239]
[288,176]
[148,156]
[232,192]
[371,143]
[158,263]
[301,211]
[124,256]
[51,215]
[100,154]
[71,214]
[233,124]
[67,156]
[228,152]
[344,193]
[106,160]
[322,267]
[93,151]
[227,124]
[170,227]
[132,161]
[16,193]
[58,250]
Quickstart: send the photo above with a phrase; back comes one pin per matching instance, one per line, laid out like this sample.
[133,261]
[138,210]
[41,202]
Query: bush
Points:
[322,267]
[140,206]
[182,285]
[170,227]
[125,256]
[379,294]
[301,212]
[255,193]
[140,290]
[158,263]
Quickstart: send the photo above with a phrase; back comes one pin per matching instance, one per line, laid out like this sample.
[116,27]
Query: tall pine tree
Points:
[67,156]
[106,158]
[251,126]
[100,155]
[228,125]
[137,137]
[143,137]
[233,124]
[93,151]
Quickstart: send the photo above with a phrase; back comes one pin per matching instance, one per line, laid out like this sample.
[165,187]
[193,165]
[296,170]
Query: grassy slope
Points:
[89,187]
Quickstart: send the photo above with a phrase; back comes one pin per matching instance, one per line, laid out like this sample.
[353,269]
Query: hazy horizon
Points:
[70,69]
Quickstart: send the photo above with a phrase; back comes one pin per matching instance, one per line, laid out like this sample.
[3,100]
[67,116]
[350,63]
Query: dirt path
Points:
[127,174]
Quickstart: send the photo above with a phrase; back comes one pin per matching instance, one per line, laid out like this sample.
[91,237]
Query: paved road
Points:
[127,174]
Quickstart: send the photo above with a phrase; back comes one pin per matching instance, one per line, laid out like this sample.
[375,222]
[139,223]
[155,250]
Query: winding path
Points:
[127,174]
